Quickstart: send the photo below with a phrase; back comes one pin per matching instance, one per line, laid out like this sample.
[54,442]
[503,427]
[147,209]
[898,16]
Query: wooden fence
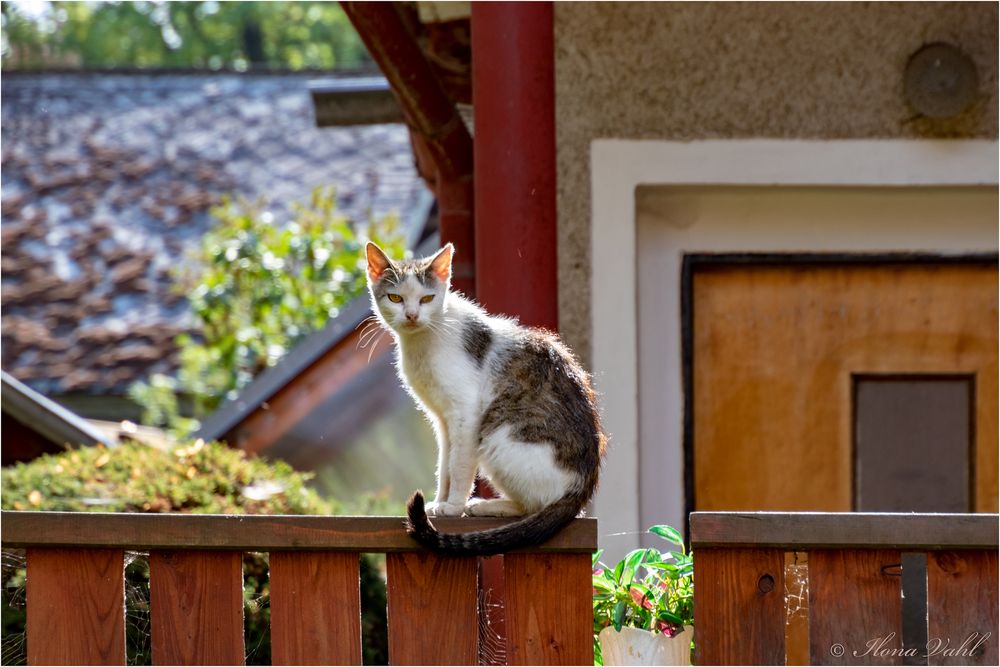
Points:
[75,589]
[882,588]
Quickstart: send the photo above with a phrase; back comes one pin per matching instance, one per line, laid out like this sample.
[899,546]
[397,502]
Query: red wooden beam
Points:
[513,98]
[514,103]
[426,106]
[441,143]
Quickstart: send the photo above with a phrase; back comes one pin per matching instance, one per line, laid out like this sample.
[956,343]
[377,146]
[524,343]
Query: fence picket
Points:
[196,607]
[432,607]
[740,609]
[962,608]
[855,612]
[549,615]
[315,608]
[76,607]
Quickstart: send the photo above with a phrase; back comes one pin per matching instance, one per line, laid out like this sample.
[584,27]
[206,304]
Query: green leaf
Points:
[603,584]
[595,557]
[668,533]
[619,568]
[668,567]
[618,615]
[652,556]
[670,617]
[631,562]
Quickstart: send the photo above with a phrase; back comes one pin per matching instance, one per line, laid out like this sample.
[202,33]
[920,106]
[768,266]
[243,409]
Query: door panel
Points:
[776,349]
[912,443]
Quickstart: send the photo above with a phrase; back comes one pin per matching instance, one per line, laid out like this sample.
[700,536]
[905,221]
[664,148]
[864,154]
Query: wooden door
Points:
[783,349]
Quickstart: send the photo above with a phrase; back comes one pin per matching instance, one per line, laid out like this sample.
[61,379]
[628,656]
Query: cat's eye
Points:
[427,299]
[395,298]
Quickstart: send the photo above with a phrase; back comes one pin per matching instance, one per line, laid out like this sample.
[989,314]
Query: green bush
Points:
[257,287]
[198,478]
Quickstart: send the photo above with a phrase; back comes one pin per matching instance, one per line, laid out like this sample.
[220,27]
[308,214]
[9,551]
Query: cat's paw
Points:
[492,507]
[436,508]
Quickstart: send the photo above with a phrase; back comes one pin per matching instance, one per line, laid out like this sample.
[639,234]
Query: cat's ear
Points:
[377,261]
[441,263]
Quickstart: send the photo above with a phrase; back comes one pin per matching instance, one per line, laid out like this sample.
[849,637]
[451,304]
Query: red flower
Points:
[666,628]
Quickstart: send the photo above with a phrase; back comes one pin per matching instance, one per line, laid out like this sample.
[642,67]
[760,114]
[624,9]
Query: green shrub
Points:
[257,287]
[198,478]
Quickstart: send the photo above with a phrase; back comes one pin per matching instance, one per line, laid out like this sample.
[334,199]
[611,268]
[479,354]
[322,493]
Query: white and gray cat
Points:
[509,401]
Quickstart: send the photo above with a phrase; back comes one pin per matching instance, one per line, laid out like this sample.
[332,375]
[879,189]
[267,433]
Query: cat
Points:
[508,401]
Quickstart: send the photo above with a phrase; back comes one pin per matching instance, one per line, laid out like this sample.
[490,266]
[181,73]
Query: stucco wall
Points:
[714,70]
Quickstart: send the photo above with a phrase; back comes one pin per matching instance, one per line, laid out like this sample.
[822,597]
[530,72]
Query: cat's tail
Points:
[528,531]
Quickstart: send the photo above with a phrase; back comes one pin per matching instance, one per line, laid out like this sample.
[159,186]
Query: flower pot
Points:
[633,646]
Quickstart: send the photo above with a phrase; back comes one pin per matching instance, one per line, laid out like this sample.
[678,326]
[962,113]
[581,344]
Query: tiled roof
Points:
[106,183]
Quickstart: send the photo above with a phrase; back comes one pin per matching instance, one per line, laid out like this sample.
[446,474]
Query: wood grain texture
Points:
[196,607]
[549,614]
[315,608]
[962,608]
[432,608]
[378,534]
[739,607]
[774,349]
[855,613]
[824,530]
[76,607]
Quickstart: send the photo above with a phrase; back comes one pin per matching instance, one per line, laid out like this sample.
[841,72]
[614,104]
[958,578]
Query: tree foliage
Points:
[257,288]
[214,35]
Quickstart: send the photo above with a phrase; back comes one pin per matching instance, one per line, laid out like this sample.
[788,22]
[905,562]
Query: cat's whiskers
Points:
[369,336]
[368,332]
[440,328]
[371,318]
[367,325]
[377,341]
[446,325]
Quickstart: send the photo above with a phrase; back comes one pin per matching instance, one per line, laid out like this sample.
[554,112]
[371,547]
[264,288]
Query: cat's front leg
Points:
[443,476]
[440,505]
[462,466]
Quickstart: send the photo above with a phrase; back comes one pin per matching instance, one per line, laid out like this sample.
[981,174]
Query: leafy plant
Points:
[256,289]
[195,478]
[648,589]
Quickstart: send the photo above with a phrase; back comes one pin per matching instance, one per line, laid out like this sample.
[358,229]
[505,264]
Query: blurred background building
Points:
[769,229]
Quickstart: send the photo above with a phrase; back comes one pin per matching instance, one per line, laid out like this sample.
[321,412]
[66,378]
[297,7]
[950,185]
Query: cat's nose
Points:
[411,317]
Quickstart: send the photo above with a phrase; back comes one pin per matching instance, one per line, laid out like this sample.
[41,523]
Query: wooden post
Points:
[76,607]
[196,607]
[962,607]
[740,608]
[855,612]
[432,609]
[549,614]
[315,608]
[513,91]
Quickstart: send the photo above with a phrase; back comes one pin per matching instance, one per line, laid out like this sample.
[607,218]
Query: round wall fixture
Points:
[940,81]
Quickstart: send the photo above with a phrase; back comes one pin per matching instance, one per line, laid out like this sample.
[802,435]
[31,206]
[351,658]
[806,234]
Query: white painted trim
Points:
[619,166]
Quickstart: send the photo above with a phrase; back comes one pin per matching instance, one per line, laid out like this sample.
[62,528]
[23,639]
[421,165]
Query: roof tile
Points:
[107,182]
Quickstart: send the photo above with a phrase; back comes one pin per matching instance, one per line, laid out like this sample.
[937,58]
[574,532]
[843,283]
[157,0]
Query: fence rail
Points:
[75,589]
[882,588]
